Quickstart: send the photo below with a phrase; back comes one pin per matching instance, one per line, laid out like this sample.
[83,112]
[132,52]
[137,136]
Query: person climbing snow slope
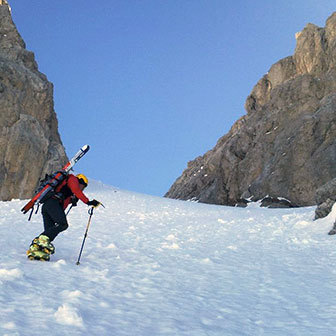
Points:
[53,213]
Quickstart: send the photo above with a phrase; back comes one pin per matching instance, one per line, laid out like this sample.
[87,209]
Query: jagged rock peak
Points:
[30,144]
[4,3]
[12,46]
[314,54]
[284,148]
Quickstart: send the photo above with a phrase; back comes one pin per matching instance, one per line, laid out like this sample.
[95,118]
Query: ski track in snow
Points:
[154,266]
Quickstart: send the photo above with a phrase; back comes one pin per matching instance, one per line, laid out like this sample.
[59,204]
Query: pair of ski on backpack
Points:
[50,182]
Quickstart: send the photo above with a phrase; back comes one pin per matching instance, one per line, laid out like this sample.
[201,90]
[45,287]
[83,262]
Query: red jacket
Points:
[70,187]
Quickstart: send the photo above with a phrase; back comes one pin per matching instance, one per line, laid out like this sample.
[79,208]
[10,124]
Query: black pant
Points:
[54,218]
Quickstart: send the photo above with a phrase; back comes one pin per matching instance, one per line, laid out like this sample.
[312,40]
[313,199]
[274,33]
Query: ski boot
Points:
[35,253]
[40,249]
[44,243]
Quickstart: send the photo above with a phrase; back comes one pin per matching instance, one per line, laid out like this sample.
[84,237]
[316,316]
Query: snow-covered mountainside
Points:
[154,266]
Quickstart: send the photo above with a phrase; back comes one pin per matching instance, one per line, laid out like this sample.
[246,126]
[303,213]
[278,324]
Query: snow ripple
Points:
[9,275]
[68,315]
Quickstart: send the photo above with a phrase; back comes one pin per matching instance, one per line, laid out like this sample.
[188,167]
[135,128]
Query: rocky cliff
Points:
[284,148]
[29,140]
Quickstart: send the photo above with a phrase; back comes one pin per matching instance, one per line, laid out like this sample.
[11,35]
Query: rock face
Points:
[284,148]
[29,140]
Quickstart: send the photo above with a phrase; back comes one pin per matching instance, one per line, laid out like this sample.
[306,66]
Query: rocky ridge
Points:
[284,148]
[30,144]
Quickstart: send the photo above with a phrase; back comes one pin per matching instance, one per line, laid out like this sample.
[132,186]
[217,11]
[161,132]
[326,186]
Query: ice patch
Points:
[68,315]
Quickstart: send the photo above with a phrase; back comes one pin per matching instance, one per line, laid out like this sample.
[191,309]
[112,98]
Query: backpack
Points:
[52,181]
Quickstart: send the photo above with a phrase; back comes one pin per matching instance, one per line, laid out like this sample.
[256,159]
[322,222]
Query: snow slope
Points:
[154,266]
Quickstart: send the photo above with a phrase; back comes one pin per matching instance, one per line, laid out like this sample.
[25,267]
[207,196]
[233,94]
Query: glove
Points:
[94,203]
[74,201]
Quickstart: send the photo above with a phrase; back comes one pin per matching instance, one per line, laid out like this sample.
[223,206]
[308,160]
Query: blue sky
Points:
[152,84]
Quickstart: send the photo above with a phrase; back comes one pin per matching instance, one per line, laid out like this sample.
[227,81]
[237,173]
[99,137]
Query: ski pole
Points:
[85,235]
[69,210]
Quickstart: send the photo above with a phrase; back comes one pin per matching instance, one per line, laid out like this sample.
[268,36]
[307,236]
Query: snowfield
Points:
[154,266]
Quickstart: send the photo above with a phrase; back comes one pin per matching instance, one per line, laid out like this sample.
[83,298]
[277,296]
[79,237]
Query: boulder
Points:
[325,199]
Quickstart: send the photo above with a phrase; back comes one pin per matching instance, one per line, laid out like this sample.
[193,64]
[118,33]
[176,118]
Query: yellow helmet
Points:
[82,178]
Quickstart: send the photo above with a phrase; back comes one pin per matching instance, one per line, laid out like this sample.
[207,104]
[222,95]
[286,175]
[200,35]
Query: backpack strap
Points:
[58,190]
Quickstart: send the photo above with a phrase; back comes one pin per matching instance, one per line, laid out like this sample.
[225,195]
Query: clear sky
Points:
[152,84]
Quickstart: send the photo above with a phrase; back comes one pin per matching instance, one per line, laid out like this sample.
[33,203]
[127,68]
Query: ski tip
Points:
[85,148]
